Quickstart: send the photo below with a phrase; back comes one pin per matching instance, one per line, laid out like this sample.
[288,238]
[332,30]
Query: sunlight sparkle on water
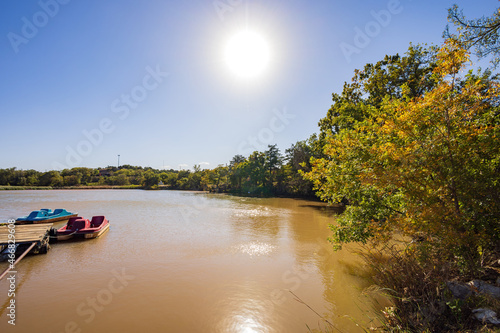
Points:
[256,248]
[248,325]
[255,212]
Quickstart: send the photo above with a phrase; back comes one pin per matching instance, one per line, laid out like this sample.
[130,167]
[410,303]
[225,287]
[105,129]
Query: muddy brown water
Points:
[185,262]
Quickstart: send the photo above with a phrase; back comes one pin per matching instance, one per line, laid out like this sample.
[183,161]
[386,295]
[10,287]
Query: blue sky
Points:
[85,81]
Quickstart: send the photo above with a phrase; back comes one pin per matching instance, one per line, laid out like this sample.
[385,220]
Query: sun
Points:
[247,54]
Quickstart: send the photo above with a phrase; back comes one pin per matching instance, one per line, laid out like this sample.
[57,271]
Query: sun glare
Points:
[247,54]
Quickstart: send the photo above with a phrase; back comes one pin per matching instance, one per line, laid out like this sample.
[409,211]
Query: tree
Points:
[169,179]
[32,177]
[235,173]
[76,176]
[253,172]
[426,165]
[6,176]
[216,180]
[71,180]
[151,179]
[120,178]
[87,175]
[194,179]
[273,162]
[377,81]
[481,34]
[136,177]
[51,178]
[237,159]
[298,158]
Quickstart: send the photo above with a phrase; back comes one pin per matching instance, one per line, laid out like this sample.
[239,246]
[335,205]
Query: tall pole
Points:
[118,161]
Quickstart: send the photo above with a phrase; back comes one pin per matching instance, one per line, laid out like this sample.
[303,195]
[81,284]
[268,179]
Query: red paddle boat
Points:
[79,227]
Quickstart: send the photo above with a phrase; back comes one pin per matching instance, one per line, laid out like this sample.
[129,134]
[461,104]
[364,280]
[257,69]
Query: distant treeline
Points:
[261,173]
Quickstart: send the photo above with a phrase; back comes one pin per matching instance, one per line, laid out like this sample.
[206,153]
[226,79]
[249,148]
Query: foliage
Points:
[481,34]
[421,165]
[298,158]
[371,85]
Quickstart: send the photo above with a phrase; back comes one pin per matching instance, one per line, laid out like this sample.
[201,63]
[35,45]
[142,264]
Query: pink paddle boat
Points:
[78,227]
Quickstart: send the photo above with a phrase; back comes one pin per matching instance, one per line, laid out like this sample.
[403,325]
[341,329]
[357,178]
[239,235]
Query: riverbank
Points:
[433,293]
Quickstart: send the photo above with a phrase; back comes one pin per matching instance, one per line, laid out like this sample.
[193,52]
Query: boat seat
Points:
[69,225]
[96,221]
[57,211]
[33,214]
[79,224]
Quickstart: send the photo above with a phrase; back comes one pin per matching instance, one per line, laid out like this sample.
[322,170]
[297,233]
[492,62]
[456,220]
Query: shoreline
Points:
[138,187]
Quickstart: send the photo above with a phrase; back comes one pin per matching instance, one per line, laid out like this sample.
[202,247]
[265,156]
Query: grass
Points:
[13,188]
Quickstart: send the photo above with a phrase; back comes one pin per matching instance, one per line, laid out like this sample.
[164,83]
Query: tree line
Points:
[261,173]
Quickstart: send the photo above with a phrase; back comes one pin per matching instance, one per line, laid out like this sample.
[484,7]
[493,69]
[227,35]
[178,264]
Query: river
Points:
[177,261]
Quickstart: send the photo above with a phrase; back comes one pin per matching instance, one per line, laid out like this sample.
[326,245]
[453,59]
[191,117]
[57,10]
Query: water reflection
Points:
[247,325]
[245,309]
[243,323]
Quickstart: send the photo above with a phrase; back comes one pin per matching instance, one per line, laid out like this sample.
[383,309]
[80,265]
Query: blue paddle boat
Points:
[46,216]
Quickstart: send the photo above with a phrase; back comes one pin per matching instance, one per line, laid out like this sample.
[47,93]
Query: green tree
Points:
[120,178]
[136,177]
[235,173]
[254,172]
[51,178]
[216,180]
[88,175]
[370,86]
[273,160]
[32,177]
[71,180]
[151,179]
[194,179]
[298,158]
[6,175]
[170,179]
[73,177]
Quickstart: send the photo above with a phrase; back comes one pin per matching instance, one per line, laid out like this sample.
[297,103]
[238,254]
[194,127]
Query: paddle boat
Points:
[78,227]
[45,215]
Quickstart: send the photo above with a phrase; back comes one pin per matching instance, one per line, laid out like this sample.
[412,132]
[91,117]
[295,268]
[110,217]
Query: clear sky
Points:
[83,81]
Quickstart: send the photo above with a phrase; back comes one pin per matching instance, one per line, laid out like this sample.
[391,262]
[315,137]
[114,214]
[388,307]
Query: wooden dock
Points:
[29,238]
[25,235]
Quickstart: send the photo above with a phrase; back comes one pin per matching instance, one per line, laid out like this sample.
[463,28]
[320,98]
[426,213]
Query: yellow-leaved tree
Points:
[426,164]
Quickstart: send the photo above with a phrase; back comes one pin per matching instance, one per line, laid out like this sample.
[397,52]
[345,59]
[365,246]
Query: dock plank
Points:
[25,233]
